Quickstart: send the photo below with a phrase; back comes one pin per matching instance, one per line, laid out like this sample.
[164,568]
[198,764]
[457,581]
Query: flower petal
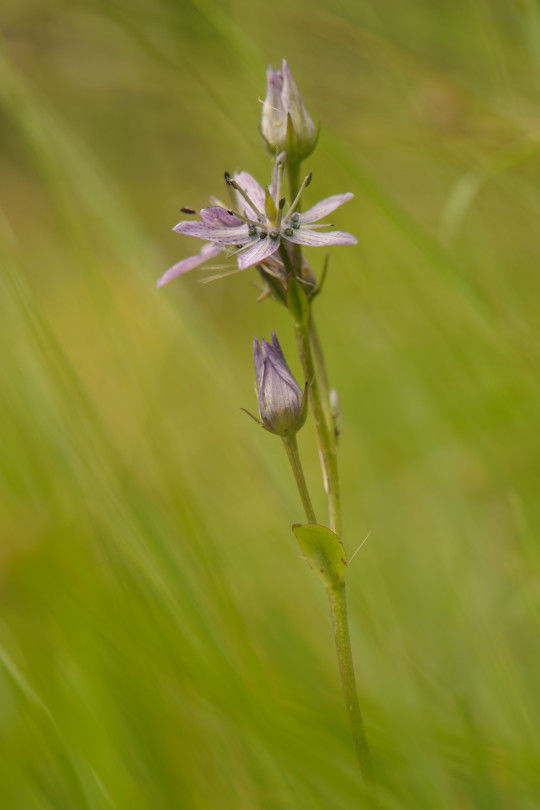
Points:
[324,207]
[207,252]
[274,354]
[273,118]
[253,190]
[217,215]
[258,251]
[293,103]
[226,236]
[304,236]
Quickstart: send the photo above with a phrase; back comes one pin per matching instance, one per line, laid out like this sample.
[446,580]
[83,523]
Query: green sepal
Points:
[297,302]
[324,552]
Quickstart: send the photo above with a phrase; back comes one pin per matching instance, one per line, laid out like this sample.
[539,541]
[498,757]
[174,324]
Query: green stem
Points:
[315,372]
[286,259]
[293,176]
[323,379]
[325,432]
[291,446]
[338,607]
[314,368]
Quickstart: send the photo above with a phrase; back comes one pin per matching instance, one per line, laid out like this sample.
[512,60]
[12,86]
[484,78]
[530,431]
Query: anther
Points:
[187,210]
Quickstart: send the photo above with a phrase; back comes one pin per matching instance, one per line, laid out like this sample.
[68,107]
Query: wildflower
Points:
[286,124]
[282,403]
[259,225]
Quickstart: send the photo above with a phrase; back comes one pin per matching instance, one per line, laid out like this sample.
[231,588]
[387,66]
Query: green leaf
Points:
[297,302]
[324,552]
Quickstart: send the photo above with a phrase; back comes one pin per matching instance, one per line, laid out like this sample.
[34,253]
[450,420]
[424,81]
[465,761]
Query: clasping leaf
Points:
[324,552]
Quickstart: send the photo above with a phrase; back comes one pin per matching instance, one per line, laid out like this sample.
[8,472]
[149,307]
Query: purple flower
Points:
[286,124]
[282,403]
[260,224]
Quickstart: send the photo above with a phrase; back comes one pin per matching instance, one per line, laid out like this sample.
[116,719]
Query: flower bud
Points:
[282,403]
[286,124]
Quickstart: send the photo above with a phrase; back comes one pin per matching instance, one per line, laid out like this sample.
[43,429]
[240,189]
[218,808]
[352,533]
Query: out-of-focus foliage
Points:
[162,644]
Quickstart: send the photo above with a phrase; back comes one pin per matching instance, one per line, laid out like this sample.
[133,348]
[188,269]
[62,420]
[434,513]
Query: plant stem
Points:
[338,607]
[293,176]
[315,372]
[314,368]
[325,432]
[291,446]
[321,373]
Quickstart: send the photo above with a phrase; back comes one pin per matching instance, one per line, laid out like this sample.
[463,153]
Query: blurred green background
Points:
[162,644]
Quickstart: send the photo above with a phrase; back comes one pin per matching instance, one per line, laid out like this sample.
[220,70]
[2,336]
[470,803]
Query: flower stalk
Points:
[291,446]
[313,364]
[338,608]
[325,433]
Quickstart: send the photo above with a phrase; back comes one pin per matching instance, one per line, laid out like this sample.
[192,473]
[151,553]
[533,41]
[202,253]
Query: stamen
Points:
[241,191]
[305,184]
[186,210]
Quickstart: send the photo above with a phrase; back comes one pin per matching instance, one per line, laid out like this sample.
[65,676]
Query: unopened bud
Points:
[286,124]
[282,403]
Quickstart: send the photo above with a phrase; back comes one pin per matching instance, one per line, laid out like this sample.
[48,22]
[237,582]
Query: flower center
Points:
[272,217]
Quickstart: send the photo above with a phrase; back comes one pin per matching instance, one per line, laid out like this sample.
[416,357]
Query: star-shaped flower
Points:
[259,225]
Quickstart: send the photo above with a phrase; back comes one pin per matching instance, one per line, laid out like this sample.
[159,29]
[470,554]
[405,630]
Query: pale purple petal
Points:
[274,354]
[304,236]
[257,252]
[272,111]
[207,252]
[324,207]
[253,190]
[216,215]
[226,236]
[293,103]
[274,83]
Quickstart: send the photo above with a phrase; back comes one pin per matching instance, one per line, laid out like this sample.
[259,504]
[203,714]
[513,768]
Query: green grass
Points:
[162,644]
